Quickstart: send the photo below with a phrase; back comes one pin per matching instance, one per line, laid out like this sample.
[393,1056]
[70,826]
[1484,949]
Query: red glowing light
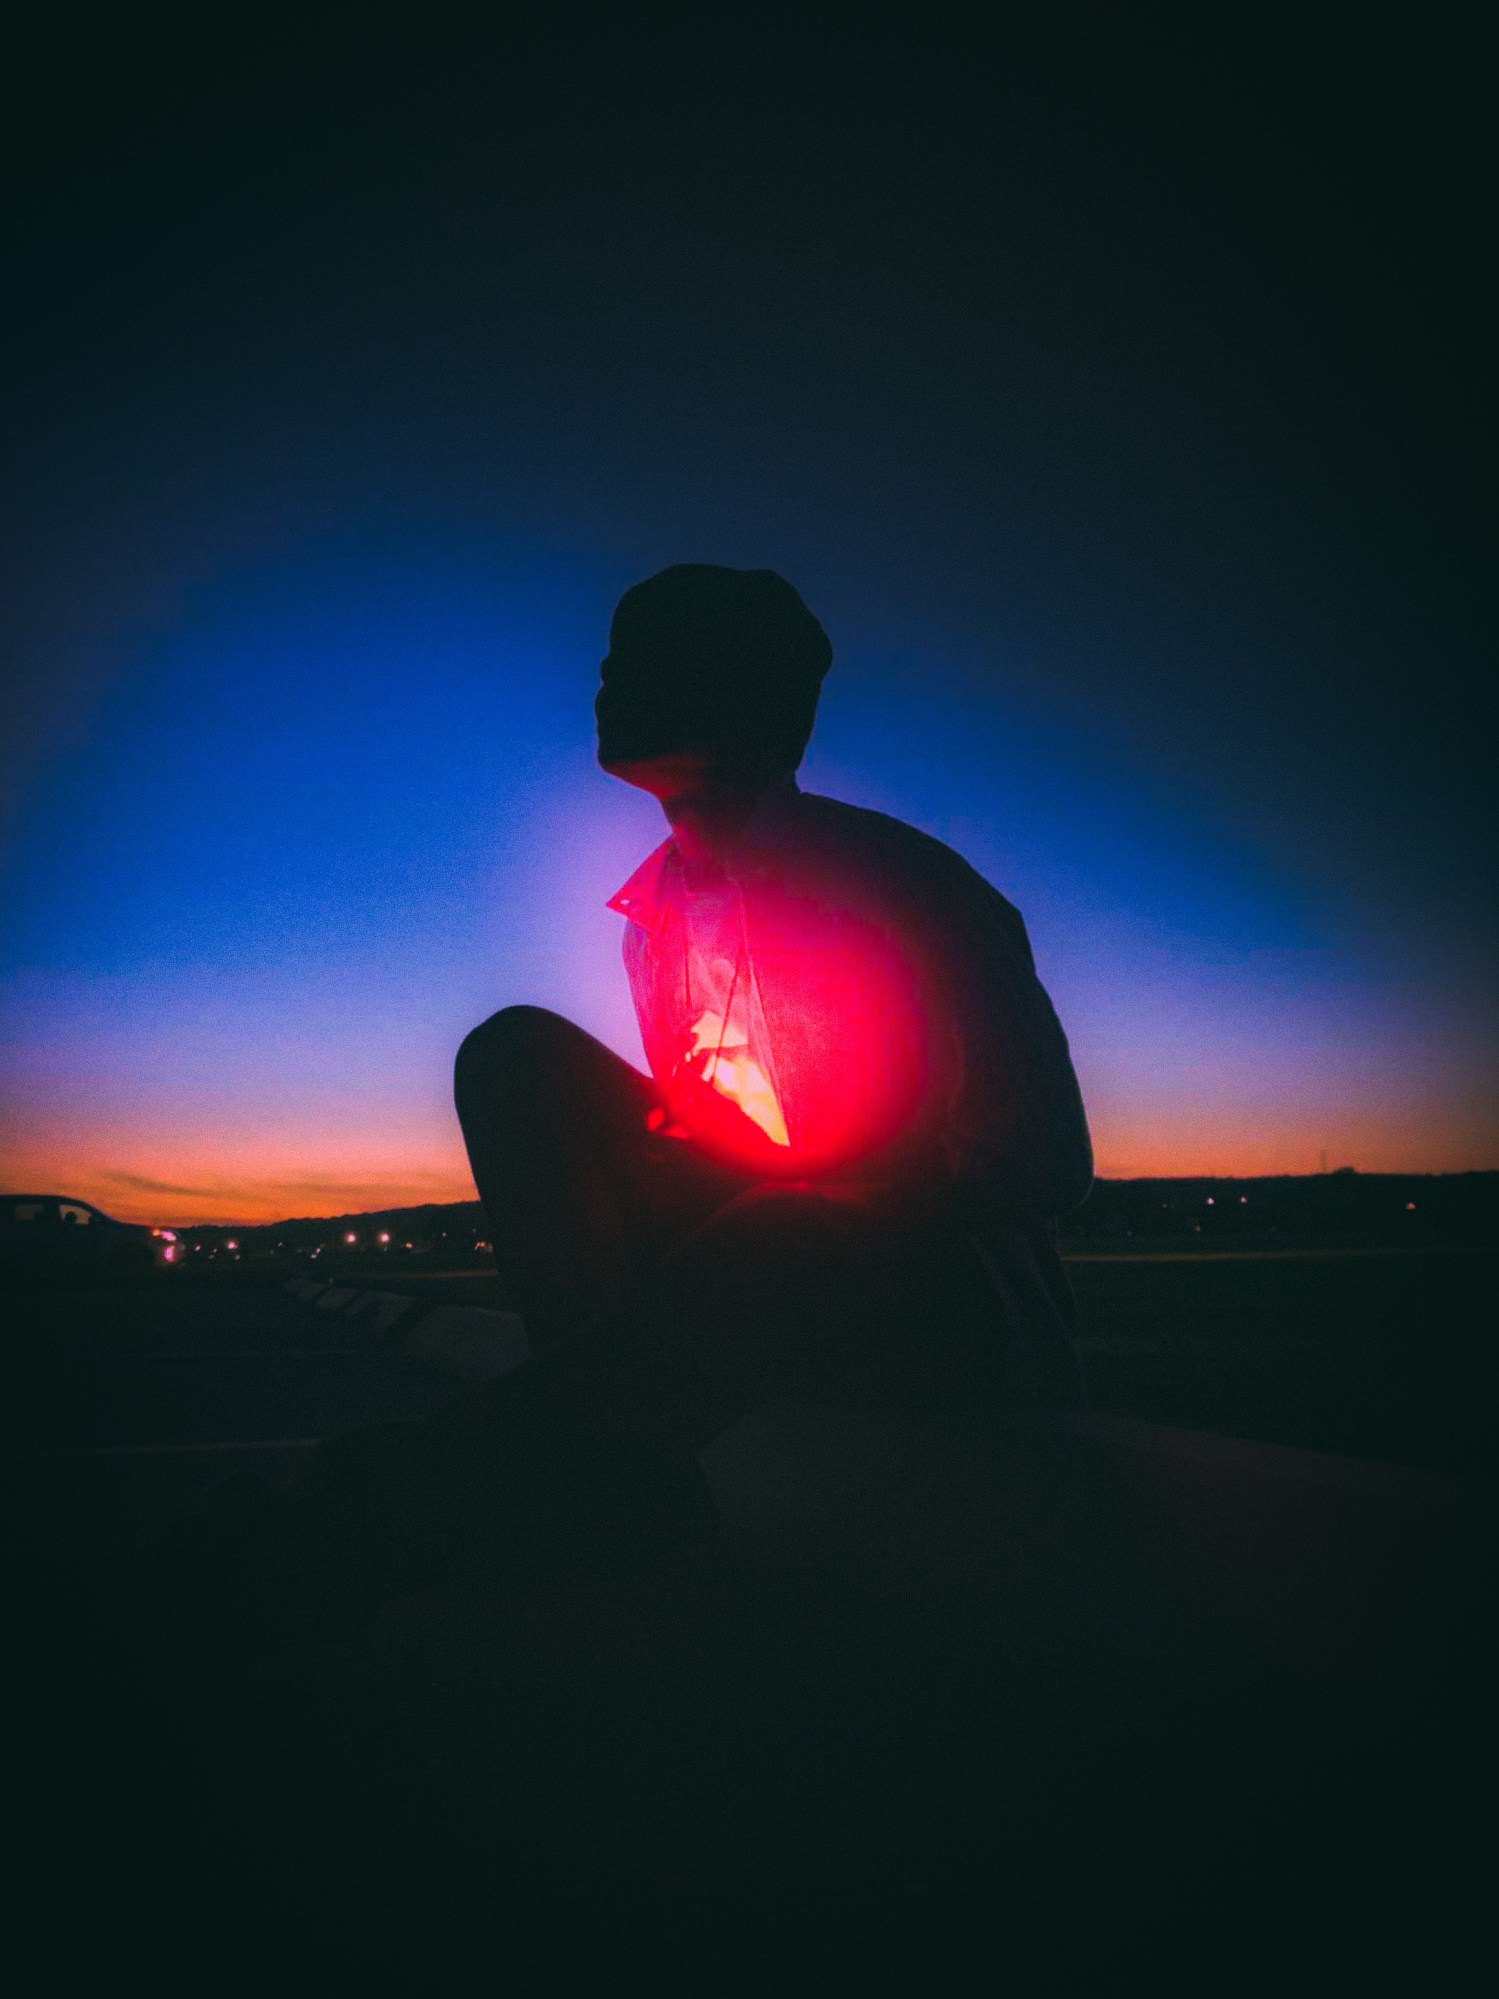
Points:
[733,1072]
[797,1040]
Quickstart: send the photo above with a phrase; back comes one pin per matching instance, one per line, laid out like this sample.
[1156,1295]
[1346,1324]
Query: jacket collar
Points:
[775,812]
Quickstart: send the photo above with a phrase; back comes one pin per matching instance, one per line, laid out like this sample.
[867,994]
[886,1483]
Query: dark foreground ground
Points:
[1021,1710]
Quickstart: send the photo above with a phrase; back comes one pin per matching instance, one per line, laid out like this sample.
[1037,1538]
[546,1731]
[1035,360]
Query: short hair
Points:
[745,640]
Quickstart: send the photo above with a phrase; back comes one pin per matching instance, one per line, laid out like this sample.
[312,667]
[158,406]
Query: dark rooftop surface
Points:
[1059,1706]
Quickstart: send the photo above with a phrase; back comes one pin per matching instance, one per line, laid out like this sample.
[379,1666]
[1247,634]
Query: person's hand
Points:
[716,1122]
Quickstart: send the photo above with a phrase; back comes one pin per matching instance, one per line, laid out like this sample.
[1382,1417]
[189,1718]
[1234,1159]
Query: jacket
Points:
[911,1044]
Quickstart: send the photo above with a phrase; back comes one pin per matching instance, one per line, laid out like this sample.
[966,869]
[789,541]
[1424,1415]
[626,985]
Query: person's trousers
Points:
[664,1293]
[663,1296]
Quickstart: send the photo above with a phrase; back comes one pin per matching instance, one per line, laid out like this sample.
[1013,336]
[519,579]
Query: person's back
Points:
[914,1049]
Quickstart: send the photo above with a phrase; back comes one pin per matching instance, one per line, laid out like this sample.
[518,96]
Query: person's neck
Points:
[706,819]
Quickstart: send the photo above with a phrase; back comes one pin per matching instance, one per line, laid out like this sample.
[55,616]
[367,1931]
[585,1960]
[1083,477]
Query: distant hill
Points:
[1413,1206]
[433,1220]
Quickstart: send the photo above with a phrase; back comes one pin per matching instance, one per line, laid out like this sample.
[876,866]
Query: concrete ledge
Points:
[1302,1555]
[1244,1457]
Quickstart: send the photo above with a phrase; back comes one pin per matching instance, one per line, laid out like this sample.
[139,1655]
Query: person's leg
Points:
[580,1198]
[582,1462]
[518,1484]
[826,1294]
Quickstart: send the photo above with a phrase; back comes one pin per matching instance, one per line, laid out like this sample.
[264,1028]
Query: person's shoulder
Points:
[890,852]
[876,838]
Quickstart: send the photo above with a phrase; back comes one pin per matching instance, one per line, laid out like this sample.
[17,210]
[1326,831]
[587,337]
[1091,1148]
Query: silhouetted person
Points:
[839,1182]
[842,1176]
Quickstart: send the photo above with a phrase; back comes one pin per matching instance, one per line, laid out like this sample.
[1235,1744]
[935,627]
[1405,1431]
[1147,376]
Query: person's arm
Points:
[1019,1128]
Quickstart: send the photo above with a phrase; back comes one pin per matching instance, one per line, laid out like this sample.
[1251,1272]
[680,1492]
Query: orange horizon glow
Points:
[251,1185]
[165,1189]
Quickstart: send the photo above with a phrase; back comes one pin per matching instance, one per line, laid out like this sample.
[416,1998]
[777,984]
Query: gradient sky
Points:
[1110,396]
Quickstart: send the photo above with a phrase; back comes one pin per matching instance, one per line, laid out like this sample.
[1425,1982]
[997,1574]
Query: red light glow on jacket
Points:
[734,1073]
[848,1070]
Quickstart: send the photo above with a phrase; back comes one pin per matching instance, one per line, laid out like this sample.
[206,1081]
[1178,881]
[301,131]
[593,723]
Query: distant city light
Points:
[1410,1207]
[1210,1200]
[351,1238]
[231,1245]
[384,1237]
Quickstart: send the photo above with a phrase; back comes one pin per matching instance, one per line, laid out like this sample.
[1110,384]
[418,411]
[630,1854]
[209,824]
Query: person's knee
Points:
[510,1040]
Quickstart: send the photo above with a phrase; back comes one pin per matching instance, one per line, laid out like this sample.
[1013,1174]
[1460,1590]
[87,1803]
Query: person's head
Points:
[713,672]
